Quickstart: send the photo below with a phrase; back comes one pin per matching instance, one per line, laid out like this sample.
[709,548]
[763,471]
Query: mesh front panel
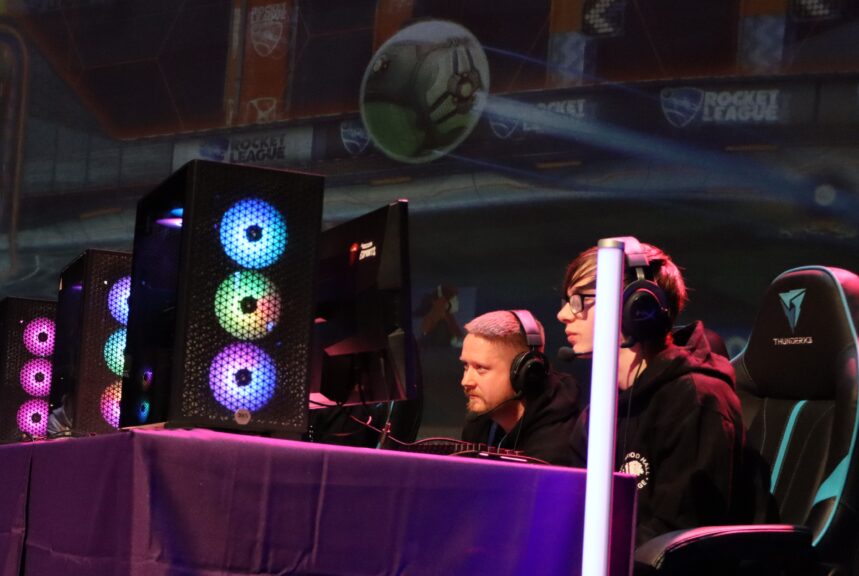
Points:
[102,343]
[247,291]
[27,333]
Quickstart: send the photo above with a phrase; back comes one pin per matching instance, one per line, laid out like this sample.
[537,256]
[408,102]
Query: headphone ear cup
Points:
[645,314]
[528,372]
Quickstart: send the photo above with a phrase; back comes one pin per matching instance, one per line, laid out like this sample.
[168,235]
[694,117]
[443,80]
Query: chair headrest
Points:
[805,323]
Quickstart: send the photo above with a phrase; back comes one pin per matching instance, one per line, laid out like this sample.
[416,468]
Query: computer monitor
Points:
[364,350]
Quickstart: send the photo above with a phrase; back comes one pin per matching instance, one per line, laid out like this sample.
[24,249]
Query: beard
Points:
[475,406]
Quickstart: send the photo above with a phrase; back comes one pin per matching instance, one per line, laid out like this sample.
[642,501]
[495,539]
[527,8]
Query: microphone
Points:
[567,354]
[475,415]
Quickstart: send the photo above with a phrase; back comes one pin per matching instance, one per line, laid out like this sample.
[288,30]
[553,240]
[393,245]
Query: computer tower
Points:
[27,335]
[222,299]
[92,313]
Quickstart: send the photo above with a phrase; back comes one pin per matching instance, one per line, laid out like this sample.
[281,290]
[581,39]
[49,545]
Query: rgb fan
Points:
[117,299]
[33,418]
[253,233]
[39,336]
[143,411]
[36,377]
[114,351]
[243,376]
[247,305]
[109,404]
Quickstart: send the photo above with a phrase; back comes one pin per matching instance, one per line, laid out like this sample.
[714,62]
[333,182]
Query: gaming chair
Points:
[797,381]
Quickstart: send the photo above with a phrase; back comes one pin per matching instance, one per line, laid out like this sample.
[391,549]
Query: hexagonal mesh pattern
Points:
[247,305]
[33,417]
[39,336]
[109,404]
[27,340]
[243,377]
[114,351]
[117,299]
[102,344]
[36,377]
[253,240]
[253,233]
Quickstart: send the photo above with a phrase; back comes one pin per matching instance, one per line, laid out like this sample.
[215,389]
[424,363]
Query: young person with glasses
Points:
[679,424]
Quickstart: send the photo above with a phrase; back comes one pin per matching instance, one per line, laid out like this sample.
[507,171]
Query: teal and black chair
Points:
[797,380]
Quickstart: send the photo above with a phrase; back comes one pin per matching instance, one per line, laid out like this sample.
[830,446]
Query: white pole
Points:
[603,408]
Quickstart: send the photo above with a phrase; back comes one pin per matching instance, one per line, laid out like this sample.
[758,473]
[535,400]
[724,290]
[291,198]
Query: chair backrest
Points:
[797,380]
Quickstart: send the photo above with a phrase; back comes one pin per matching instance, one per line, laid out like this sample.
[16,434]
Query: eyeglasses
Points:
[576,301]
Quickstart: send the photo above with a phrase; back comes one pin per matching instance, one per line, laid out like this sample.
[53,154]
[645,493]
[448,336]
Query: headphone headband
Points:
[636,257]
[529,369]
[530,328]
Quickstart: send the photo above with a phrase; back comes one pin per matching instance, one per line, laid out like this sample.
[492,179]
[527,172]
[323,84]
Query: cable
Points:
[324,405]
[628,411]
[386,428]
[441,445]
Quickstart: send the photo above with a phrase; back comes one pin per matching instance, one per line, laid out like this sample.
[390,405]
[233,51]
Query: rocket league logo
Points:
[215,148]
[503,128]
[354,136]
[681,105]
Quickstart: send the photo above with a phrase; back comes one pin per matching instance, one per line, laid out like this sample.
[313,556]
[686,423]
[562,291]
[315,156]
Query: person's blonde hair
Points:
[502,326]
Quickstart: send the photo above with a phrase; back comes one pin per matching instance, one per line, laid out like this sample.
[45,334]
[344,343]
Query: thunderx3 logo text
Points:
[791,304]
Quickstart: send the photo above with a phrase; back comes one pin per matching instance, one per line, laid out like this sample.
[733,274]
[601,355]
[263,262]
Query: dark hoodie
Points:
[545,428]
[680,431]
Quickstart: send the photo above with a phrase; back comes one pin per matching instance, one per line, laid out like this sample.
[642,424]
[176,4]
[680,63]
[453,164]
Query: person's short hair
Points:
[665,273]
[501,326]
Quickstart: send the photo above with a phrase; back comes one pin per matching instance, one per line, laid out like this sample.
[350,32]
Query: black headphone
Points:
[529,369]
[645,316]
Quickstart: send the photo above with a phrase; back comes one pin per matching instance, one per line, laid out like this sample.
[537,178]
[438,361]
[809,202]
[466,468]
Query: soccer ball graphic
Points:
[424,90]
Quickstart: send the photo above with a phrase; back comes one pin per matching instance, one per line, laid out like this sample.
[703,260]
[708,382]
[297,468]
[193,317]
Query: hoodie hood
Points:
[554,404]
[690,354]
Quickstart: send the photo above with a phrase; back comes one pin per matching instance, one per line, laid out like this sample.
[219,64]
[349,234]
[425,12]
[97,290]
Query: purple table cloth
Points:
[14,481]
[207,503]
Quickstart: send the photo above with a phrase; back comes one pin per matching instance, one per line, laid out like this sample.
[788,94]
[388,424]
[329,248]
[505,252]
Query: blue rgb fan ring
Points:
[253,233]
[117,299]
[243,376]
[143,409]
